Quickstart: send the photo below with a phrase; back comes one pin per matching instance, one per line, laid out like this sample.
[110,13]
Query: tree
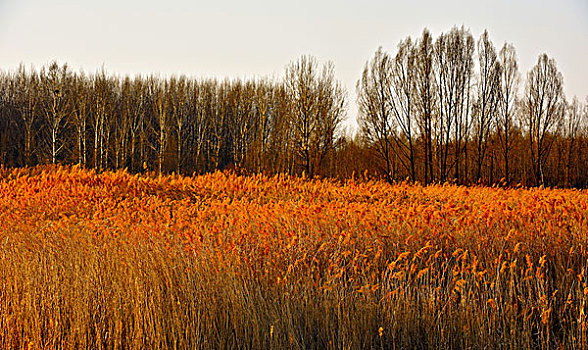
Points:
[199,122]
[28,104]
[57,106]
[543,110]
[488,98]
[318,106]
[217,111]
[264,126]
[509,82]
[331,111]
[124,122]
[9,106]
[136,107]
[162,112]
[103,108]
[571,129]
[179,90]
[241,121]
[81,103]
[403,86]
[454,70]
[283,148]
[425,99]
[374,94]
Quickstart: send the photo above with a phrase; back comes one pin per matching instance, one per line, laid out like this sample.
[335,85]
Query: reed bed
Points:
[113,260]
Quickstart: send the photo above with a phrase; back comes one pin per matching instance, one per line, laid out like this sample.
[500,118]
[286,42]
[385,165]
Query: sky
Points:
[251,39]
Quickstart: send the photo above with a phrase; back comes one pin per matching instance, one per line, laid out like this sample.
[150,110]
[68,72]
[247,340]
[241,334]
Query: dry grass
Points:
[115,261]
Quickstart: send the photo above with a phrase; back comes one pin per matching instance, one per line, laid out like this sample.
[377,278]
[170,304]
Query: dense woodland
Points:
[452,108]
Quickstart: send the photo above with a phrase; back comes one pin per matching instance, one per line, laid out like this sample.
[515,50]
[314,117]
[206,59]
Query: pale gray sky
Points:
[235,38]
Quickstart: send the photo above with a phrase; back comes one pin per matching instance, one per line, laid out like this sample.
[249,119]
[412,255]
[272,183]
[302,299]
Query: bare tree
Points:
[28,104]
[376,121]
[124,122]
[9,109]
[318,104]
[543,110]
[162,111]
[331,111]
[264,124]
[571,129]
[179,90]
[454,71]
[241,121]
[199,120]
[103,109]
[425,99]
[283,140]
[374,91]
[301,83]
[136,106]
[509,82]
[488,98]
[81,101]
[217,111]
[57,106]
[403,86]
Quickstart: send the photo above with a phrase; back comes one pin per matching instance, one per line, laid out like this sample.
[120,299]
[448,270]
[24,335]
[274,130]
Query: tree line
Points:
[447,109]
[454,109]
[170,124]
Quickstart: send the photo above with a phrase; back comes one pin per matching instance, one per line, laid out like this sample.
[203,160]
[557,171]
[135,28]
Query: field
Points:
[119,261]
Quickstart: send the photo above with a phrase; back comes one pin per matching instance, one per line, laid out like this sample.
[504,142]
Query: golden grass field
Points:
[118,261]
